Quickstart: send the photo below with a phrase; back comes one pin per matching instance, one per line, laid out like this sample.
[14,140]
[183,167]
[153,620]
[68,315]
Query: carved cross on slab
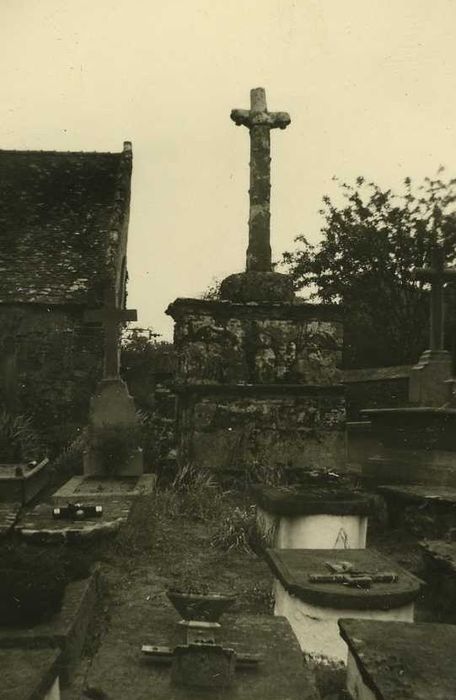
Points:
[111,317]
[438,275]
[259,122]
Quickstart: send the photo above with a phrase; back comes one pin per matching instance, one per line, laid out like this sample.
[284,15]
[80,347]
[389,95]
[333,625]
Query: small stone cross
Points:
[438,275]
[111,317]
[259,122]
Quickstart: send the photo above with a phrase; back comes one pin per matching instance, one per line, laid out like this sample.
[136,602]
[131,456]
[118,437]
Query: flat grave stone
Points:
[115,495]
[40,526]
[312,517]
[314,588]
[392,660]
[29,675]
[119,670]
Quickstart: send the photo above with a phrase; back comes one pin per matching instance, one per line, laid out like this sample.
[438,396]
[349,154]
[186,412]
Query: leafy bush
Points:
[115,445]
[19,442]
[238,530]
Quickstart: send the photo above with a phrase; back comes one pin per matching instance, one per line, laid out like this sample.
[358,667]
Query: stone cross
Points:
[259,122]
[111,317]
[438,275]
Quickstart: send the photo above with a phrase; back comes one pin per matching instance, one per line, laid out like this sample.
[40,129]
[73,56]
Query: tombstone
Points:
[112,408]
[314,588]
[392,660]
[257,369]
[312,517]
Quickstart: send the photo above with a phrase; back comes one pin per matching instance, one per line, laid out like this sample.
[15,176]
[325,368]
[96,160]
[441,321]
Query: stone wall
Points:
[258,383]
[50,364]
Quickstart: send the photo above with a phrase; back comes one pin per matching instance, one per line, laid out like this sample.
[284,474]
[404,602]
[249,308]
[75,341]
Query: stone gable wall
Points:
[50,364]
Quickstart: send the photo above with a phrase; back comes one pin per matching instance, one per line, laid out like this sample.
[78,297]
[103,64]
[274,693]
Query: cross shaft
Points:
[111,317]
[438,275]
[259,122]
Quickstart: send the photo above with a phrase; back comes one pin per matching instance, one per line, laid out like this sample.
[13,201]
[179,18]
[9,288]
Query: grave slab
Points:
[65,631]
[39,525]
[29,675]
[119,670]
[312,518]
[392,660]
[313,607]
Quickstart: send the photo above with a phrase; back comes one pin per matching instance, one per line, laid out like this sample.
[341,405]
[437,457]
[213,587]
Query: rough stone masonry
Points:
[257,377]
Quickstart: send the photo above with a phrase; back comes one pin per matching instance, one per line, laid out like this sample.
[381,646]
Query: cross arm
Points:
[249,118]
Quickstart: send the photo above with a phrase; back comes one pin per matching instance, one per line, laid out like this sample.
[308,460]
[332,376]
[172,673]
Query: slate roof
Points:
[63,216]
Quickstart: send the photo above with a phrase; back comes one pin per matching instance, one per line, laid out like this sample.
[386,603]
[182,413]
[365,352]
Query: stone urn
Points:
[202,607]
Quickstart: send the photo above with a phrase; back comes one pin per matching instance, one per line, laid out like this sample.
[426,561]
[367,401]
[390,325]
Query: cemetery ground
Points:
[199,536]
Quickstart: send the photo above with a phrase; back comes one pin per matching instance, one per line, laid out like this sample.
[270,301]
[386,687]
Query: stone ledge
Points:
[66,630]
[273,310]
[311,500]
[262,389]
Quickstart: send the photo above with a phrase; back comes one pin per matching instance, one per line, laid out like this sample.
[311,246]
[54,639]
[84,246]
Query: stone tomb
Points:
[312,517]
[29,674]
[279,676]
[115,495]
[395,660]
[314,607]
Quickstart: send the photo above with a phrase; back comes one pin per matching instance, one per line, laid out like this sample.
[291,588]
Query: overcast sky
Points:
[370,86]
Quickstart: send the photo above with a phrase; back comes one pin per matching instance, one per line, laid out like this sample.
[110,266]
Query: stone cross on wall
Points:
[438,275]
[111,317]
[259,122]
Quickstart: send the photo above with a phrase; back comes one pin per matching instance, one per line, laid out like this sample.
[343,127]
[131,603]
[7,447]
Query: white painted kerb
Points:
[316,628]
[313,531]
